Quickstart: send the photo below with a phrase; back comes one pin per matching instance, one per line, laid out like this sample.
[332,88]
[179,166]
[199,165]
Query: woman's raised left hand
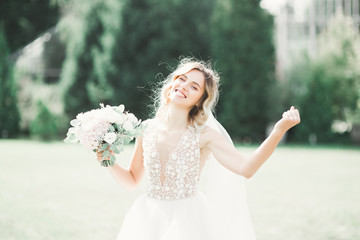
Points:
[289,119]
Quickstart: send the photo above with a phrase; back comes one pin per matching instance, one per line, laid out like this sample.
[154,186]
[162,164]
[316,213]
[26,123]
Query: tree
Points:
[23,20]
[330,82]
[9,114]
[89,34]
[44,124]
[113,50]
[155,31]
[243,47]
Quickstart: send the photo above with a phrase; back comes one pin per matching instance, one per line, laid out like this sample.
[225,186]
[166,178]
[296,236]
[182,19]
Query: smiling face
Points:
[187,89]
[193,86]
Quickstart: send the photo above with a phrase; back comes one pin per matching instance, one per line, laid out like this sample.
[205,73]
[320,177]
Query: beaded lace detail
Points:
[181,171]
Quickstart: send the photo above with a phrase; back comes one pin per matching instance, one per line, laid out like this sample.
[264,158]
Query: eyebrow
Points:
[182,75]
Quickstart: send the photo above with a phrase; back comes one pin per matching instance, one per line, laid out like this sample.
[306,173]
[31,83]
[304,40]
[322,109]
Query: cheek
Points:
[171,88]
[198,96]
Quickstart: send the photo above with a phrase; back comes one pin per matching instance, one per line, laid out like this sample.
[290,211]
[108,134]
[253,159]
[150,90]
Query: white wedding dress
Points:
[173,208]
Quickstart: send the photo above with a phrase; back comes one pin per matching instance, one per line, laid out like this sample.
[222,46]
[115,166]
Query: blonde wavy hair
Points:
[202,110]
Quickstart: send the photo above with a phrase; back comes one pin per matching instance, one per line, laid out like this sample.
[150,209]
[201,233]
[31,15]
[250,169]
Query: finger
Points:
[286,115]
[297,113]
[289,114]
[294,112]
[295,116]
[292,115]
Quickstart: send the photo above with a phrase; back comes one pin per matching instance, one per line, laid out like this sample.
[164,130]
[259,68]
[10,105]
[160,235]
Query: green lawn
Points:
[58,191]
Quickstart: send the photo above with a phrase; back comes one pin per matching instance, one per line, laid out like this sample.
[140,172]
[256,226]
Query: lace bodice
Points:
[180,173]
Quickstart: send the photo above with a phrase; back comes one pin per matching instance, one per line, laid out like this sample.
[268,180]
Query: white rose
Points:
[132,118]
[110,137]
[128,126]
[110,115]
[119,119]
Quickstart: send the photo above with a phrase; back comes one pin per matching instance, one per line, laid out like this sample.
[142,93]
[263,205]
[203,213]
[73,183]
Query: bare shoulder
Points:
[208,135]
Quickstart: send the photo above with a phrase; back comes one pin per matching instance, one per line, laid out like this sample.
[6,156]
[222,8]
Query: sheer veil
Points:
[226,192]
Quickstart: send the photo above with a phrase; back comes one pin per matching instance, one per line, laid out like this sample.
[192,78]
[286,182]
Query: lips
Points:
[178,90]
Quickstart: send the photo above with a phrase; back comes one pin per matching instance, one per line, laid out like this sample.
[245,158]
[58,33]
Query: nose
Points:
[184,86]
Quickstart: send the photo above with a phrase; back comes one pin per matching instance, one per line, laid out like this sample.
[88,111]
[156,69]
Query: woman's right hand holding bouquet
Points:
[105,131]
[100,155]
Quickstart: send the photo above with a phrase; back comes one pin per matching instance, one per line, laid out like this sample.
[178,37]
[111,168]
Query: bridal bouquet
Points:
[105,129]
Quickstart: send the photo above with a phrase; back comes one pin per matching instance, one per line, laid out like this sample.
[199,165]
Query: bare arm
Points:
[230,158]
[129,178]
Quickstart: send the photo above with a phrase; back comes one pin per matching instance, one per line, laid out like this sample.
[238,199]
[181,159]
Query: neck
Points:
[176,118]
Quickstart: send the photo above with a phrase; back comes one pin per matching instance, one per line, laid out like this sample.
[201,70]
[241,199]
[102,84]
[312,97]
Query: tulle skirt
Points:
[185,219]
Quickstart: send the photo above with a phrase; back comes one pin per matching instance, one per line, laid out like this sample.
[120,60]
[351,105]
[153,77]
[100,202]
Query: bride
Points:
[174,148]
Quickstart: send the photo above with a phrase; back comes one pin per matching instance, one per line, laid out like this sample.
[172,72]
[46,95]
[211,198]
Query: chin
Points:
[180,103]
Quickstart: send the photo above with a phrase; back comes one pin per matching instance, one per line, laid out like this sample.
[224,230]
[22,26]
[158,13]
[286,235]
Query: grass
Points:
[58,191]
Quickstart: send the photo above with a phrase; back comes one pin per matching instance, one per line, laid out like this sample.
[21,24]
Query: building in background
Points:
[297,28]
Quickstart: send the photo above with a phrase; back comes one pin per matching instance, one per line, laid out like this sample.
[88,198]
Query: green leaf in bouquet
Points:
[70,139]
[112,147]
[116,150]
[139,132]
[104,146]
[117,128]
[118,110]
[111,128]
[121,147]
[126,139]
[107,163]
[106,154]
[113,158]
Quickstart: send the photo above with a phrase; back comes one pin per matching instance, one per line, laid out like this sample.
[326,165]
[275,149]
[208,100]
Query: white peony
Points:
[128,126]
[132,118]
[110,115]
[88,116]
[119,120]
[110,137]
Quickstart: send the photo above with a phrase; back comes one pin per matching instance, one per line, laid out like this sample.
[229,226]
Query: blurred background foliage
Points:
[327,86]
[242,45]
[9,112]
[63,57]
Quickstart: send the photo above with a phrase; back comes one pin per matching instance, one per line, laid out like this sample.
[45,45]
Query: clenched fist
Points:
[289,119]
